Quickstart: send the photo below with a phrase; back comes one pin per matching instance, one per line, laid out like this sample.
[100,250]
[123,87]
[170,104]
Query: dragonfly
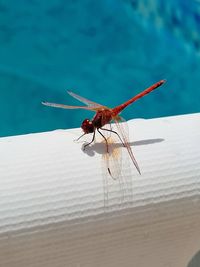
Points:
[104,116]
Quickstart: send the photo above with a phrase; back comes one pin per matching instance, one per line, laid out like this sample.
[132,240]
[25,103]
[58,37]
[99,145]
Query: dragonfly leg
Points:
[105,140]
[79,137]
[114,133]
[89,142]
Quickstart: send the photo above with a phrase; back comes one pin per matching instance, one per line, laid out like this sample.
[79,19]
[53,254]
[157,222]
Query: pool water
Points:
[106,51]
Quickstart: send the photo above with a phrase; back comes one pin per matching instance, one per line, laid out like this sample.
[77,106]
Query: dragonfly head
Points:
[87,126]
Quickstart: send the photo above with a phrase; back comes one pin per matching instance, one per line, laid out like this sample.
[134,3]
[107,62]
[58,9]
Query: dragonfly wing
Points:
[112,158]
[93,108]
[117,186]
[84,100]
[111,167]
[124,135]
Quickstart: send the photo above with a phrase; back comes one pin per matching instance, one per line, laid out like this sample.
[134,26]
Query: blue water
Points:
[104,50]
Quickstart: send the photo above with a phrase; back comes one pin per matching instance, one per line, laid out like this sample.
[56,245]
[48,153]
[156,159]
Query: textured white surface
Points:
[52,199]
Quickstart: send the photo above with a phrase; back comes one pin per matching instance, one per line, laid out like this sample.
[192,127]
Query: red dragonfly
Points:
[103,116]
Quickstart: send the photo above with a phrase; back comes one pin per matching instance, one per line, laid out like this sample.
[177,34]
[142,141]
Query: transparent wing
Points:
[84,100]
[112,158]
[55,105]
[124,135]
[90,104]
[116,171]
[111,168]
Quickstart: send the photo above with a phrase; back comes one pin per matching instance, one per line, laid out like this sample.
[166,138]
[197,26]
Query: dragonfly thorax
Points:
[87,126]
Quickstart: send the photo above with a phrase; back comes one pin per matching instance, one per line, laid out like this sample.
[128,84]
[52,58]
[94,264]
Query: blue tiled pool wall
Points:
[105,50]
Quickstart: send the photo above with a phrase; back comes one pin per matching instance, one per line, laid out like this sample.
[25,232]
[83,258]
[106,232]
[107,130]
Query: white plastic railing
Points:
[52,199]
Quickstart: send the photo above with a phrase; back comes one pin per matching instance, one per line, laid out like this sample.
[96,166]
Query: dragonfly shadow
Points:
[147,142]
[100,148]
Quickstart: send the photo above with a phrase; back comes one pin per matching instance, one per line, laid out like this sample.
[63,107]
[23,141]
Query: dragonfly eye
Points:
[87,126]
